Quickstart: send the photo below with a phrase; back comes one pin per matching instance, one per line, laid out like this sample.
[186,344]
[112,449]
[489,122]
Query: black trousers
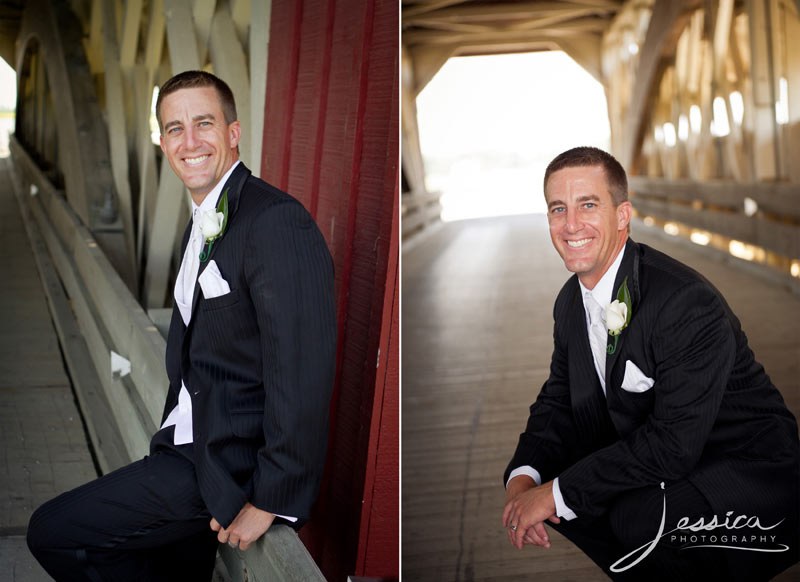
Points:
[144,522]
[633,521]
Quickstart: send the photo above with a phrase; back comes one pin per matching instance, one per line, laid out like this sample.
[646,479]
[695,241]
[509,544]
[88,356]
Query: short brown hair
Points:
[194,79]
[585,156]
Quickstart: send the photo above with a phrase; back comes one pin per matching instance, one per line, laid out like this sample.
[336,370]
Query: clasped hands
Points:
[249,525]
[527,507]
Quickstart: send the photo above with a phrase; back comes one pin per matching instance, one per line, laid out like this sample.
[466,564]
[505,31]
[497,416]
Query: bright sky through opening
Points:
[8,101]
[489,126]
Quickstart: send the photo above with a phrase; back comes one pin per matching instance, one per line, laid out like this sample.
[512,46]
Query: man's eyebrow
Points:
[203,116]
[200,117]
[584,198]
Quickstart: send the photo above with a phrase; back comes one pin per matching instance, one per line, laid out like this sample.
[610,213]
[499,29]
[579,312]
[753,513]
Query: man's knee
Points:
[636,516]
[43,528]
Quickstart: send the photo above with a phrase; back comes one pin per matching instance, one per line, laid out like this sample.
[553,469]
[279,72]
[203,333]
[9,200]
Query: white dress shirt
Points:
[602,293]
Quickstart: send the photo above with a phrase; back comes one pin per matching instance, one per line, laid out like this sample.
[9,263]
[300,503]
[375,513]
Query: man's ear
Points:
[624,215]
[234,133]
[161,141]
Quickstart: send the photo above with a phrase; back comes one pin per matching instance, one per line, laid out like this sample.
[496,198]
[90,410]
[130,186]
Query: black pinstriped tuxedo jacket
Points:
[712,416]
[259,361]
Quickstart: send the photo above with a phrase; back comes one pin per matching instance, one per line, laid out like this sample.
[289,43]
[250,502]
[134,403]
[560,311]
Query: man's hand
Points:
[247,527]
[527,507]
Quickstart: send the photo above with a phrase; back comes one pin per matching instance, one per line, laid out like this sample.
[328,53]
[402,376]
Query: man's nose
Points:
[573,220]
[190,138]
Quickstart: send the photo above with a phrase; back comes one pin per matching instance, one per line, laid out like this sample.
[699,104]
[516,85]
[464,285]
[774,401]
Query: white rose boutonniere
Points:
[213,225]
[618,314]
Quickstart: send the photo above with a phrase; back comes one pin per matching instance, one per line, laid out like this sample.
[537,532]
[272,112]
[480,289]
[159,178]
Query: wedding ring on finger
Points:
[233,544]
[513,527]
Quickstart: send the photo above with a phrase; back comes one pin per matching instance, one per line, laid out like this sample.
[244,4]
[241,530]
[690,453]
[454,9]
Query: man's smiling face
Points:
[586,228]
[199,144]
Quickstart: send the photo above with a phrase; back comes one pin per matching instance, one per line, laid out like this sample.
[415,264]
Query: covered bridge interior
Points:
[704,110]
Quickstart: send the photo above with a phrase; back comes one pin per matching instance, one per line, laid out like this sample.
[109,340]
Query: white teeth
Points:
[195,161]
[578,243]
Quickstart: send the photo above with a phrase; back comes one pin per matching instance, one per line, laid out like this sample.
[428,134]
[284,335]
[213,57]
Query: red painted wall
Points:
[331,140]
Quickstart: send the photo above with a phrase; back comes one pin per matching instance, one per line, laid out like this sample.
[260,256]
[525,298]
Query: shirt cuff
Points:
[286,517]
[562,510]
[525,470]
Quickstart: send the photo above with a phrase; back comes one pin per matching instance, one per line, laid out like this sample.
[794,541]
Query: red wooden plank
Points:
[335,147]
[281,86]
[307,101]
[345,460]
[379,539]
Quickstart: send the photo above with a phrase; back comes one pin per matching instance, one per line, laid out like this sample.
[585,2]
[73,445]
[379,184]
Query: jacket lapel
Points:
[235,183]
[628,268]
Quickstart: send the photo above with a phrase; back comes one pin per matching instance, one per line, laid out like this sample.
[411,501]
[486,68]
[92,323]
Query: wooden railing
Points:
[420,210]
[772,221]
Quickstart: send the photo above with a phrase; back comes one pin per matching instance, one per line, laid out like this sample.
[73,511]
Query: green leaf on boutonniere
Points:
[624,296]
[615,311]
[223,208]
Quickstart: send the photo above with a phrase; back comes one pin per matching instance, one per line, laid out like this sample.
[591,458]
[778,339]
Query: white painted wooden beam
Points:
[765,131]
[501,34]
[494,11]
[203,12]
[454,26]
[409,13]
[412,164]
[722,29]
[94,52]
[793,82]
[162,236]
[552,18]
[230,63]
[154,44]
[181,38]
[585,50]
[661,22]
[426,62]
[240,14]
[117,136]
[148,183]
[130,34]
[261,12]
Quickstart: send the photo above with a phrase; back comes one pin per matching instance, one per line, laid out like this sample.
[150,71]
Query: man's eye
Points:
[204,123]
[173,130]
[557,209]
[589,205]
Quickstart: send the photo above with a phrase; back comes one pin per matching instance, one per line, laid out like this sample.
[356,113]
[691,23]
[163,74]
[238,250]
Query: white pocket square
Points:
[212,283]
[635,380]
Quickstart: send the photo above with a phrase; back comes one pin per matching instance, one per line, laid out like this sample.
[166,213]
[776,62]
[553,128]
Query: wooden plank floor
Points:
[43,447]
[477,338]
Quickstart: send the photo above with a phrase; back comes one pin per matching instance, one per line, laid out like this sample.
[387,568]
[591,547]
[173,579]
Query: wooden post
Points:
[765,132]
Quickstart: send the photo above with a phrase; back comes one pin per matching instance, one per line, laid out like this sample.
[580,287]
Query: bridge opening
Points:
[489,125]
[8,105]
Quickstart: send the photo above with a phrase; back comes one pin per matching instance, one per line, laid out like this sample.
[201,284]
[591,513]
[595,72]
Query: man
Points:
[655,409]
[250,360]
